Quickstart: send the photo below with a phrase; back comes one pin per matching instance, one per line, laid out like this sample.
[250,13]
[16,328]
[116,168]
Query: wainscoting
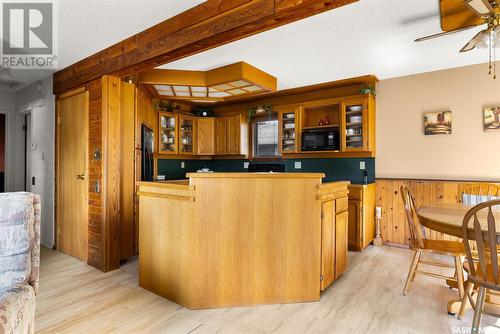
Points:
[393,225]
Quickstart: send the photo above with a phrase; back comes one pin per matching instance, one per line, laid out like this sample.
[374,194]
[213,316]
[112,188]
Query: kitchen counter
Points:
[234,239]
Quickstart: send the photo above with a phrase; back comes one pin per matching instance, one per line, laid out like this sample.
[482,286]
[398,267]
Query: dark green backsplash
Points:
[338,169]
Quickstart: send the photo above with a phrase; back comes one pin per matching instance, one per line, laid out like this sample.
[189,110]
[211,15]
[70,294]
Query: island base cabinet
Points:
[334,234]
[340,243]
[327,244]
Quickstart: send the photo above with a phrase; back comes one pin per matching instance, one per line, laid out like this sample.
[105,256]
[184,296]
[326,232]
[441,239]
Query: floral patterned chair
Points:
[19,261]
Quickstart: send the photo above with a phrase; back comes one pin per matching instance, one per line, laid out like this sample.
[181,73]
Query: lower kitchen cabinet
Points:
[334,219]
[361,215]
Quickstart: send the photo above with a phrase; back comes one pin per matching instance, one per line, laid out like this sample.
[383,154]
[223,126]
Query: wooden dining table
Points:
[447,218]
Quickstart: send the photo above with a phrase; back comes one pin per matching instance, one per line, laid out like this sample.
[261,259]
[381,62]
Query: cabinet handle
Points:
[80,177]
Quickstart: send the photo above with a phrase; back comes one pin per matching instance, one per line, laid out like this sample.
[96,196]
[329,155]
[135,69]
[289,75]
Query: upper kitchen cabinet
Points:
[168,134]
[237,135]
[289,128]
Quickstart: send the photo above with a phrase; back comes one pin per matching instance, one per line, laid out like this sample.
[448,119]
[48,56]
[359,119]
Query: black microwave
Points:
[321,140]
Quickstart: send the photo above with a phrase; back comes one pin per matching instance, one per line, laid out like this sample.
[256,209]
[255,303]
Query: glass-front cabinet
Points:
[355,125]
[289,129]
[168,133]
[187,132]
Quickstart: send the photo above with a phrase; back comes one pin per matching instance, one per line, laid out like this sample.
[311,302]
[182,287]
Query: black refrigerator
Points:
[147,153]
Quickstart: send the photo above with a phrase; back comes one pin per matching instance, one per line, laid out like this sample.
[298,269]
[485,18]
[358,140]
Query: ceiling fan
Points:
[487,12]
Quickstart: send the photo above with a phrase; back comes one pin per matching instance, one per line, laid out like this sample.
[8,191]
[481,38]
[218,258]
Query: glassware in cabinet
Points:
[168,133]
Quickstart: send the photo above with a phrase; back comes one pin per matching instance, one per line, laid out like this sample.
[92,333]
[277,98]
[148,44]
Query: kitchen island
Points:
[235,239]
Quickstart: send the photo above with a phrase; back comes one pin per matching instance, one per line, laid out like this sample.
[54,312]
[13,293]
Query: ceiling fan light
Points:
[481,7]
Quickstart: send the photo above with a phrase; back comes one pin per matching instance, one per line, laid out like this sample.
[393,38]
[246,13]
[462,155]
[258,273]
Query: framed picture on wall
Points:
[437,123]
[491,118]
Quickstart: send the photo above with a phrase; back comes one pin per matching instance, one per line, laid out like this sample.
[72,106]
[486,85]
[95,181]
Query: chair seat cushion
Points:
[17,309]
[446,247]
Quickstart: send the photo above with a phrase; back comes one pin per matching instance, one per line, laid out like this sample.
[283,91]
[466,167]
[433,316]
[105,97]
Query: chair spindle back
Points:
[417,233]
[486,240]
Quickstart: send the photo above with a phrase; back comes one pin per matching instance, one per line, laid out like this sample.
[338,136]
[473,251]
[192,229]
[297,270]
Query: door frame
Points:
[7,148]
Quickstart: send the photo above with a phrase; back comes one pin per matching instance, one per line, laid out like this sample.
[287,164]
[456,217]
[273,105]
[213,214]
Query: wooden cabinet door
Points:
[354,224]
[233,135]
[327,243]
[354,121]
[168,134]
[289,129]
[206,135]
[340,243]
[187,135]
[220,136]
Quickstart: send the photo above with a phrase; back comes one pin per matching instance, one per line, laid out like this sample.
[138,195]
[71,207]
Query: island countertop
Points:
[234,239]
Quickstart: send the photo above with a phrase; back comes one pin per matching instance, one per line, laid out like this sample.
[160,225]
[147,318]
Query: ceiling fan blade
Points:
[475,41]
[480,7]
[444,33]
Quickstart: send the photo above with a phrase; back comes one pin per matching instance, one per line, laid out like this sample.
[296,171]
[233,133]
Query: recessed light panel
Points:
[252,88]
[198,89]
[219,94]
[181,88]
[199,94]
[239,83]
[223,87]
[236,91]
[182,93]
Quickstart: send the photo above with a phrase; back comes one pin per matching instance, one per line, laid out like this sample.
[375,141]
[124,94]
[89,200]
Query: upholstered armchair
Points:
[19,261]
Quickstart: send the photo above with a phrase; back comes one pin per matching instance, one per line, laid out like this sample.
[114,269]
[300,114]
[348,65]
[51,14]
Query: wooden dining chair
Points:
[420,244]
[482,262]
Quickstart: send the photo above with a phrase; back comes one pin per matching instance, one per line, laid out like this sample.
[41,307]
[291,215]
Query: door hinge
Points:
[320,277]
[322,215]
[58,119]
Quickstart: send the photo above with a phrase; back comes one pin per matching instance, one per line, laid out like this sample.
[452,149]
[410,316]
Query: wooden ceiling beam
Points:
[206,26]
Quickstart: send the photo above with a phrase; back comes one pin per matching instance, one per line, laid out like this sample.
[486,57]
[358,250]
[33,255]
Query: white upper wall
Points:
[367,37]
[7,101]
[39,101]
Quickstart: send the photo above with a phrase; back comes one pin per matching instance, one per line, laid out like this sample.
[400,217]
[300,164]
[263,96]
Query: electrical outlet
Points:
[298,165]
[362,165]
[183,164]
[246,164]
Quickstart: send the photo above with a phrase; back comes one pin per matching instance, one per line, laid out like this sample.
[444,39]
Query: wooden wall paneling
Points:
[393,224]
[127,175]
[111,171]
[208,25]
[95,248]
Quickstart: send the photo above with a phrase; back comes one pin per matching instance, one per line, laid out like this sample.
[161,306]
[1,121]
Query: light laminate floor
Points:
[76,298]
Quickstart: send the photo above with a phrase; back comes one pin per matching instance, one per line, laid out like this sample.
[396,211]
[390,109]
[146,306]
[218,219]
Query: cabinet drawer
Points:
[341,204]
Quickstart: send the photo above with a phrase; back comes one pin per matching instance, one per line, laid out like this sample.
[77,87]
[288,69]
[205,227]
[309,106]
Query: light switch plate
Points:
[362,165]
[298,165]
[246,164]
[183,164]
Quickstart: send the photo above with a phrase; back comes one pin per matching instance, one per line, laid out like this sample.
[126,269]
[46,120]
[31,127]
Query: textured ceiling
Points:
[367,37]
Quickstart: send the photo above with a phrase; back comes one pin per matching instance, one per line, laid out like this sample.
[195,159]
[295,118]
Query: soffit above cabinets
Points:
[219,84]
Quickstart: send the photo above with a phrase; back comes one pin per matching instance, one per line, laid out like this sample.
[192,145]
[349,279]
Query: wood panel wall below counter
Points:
[393,225]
